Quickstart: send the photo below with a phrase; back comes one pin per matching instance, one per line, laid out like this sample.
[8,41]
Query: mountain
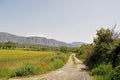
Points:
[5,37]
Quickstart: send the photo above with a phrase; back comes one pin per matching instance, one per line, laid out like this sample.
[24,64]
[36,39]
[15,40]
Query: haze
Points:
[64,20]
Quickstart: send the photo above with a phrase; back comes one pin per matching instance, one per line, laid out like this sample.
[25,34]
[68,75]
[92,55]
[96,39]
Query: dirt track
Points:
[69,72]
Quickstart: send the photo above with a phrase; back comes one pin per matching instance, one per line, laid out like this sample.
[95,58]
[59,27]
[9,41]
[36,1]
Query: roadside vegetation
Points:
[73,59]
[103,56]
[17,62]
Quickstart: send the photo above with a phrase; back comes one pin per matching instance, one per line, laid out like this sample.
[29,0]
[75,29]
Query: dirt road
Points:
[71,71]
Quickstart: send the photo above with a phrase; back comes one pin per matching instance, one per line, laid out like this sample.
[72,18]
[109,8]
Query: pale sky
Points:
[64,20]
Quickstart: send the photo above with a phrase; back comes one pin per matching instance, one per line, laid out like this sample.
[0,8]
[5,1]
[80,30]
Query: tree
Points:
[103,48]
[115,56]
[84,51]
[64,49]
[8,45]
[104,36]
[0,45]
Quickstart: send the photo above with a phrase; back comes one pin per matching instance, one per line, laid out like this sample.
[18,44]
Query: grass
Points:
[43,79]
[73,59]
[22,63]
[12,59]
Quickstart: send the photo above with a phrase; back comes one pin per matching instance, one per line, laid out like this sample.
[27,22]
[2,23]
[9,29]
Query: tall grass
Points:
[22,63]
[73,59]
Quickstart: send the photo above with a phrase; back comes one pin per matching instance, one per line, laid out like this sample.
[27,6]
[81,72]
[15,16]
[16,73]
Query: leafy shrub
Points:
[102,72]
[103,69]
[26,70]
[116,74]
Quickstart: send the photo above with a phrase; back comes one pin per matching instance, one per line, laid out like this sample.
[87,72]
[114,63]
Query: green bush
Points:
[116,74]
[26,70]
[103,69]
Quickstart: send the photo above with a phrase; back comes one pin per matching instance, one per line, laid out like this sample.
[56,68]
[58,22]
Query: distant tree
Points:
[84,51]
[45,49]
[8,45]
[0,45]
[64,49]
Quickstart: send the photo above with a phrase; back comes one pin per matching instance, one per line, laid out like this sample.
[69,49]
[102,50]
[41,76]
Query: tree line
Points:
[8,45]
[31,47]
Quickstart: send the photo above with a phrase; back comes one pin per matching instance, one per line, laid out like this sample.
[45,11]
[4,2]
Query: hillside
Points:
[5,37]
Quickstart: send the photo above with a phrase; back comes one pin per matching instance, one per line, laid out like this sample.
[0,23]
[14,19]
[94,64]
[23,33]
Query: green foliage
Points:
[115,56]
[73,59]
[0,45]
[26,70]
[58,63]
[99,55]
[104,36]
[102,72]
[105,49]
[106,72]
[5,74]
[8,45]
[37,48]
[102,69]
[84,52]
[105,77]
[116,74]
[64,49]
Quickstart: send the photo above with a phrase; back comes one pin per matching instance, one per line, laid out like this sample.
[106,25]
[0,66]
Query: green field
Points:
[21,63]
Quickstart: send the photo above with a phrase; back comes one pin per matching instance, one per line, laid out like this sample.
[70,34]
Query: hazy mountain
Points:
[5,37]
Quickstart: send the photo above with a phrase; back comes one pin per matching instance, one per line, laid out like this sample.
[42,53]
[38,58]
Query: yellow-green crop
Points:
[21,63]
[12,59]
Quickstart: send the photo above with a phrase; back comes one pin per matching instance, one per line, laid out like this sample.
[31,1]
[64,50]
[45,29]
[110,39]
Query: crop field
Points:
[22,63]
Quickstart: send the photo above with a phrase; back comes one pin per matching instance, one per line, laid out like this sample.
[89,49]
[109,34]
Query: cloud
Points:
[40,35]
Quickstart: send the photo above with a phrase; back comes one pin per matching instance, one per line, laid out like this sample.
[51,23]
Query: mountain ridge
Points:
[5,37]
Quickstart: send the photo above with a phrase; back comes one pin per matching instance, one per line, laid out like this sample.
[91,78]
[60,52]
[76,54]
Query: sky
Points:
[63,20]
